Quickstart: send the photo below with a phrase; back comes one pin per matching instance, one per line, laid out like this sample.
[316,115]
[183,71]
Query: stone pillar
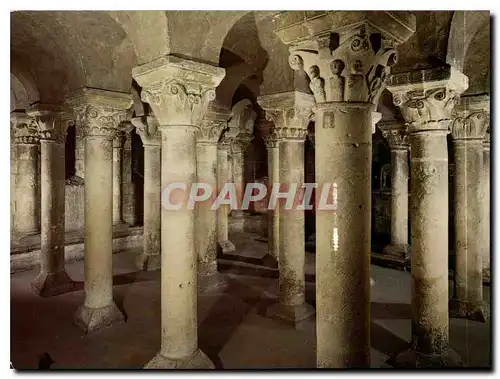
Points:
[148,130]
[79,154]
[99,113]
[486,206]
[52,278]
[118,142]
[214,123]
[468,131]
[396,134]
[24,175]
[128,188]
[238,149]
[290,113]
[426,99]
[224,176]
[345,66]
[178,91]
[273,169]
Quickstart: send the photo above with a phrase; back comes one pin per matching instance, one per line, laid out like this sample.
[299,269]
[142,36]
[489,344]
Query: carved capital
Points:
[290,112]
[427,104]
[50,121]
[213,124]
[100,112]
[472,118]
[178,90]
[24,129]
[148,129]
[396,133]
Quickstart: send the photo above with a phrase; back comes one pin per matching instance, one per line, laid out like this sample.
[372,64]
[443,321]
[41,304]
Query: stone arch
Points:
[464,26]
[23,91]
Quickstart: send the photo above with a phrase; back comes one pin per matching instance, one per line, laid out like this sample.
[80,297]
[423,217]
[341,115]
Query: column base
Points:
[399,250]
[413,359]
[469,311]
[197,361]
[120,225]
[92,319]
[290,314]
[227,247]
[48,284]
[148,262]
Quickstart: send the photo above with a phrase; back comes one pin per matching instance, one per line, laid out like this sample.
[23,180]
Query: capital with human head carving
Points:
[290,112]
[177,89]
[344,56]
[100,112]
[427,98]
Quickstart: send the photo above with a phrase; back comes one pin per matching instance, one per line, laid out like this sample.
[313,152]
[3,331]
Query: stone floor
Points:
[232,331]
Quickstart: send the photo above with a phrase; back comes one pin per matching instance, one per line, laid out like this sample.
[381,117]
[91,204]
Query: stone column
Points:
[468,131]
[345,66]
[118,142]
[426,99]
[99,112]
[178,91]
[273,169]
[148,130]
[129,195]
[396,134]
[52,278]
[486,206]
[79,154]
[290,112]
[213,124]
[24,175]
[238,149]
[224,176]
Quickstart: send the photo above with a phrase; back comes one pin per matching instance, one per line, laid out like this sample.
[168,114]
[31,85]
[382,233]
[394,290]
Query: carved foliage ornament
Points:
[290,124]
[24,131]
[470,127]
[148,129]
[178,103]
[398,139]
[425,106]
[210,131]
[98,121]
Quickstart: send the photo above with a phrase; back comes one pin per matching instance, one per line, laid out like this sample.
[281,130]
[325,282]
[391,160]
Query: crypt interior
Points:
[109,107]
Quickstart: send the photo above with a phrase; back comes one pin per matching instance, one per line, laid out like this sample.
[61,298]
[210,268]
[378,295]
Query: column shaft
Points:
[468,225]
[273,215]
[486,211]
[429,228]
[344,140]
[117,185]
[206,219]
[25,189]
[238,166]
[152,205]
[52,279]
[178,254]
[399,199]
[223,177]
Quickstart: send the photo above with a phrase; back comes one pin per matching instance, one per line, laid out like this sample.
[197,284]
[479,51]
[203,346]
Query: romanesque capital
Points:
[99,112]
[241,125]
[212,125]
[376,117]
[177,89]
[290,112]
[50,120]
[427,97]
[396,133]
[347,55]
[268,133]
[23,128]
[472,118]
[148,129]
